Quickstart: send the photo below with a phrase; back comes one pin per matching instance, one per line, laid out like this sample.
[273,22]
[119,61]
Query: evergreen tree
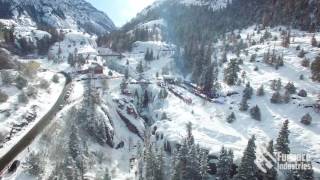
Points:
[231,118]
[204,165]
[272,172]
[106,175]
[276,98]
[248,91]
[74,142]
[126,74]
[231,72]
[244,104]
[306,119]
[291,88]
[286,97]
[247,169]
[315,69]
[260,91]
[255,113]
[282,143]
[145,99]
[224,166]
[139,67]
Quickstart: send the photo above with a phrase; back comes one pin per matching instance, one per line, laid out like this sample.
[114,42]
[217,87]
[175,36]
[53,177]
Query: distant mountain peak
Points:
[57,13]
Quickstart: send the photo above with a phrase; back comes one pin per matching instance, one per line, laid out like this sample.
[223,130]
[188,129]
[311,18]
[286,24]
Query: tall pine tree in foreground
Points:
[282,144]
[248,169]
[224,166]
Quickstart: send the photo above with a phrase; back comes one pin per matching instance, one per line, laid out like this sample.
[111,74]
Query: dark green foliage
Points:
[231,118]
[276,98]
[231,72]
[244,104]
[255,113]
[260,91]
[21,82]
[282,143]
[247,169]
[224,166]
[315,69]
[306,119]
[248,91]
[291,88]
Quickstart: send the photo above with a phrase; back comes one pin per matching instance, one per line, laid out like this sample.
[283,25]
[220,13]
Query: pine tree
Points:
[255,113]
[247,169]
[139,67]
[231,72]
[248,91]
[74,142]
[231,118]
[145,99]
[315,69]
[204,165]
[107,175]
[276,98]
[126,74]
[291,88]
[260,91]
[272,172]
[244,104]
[282,143]
[224,165]
[306,119]
[314,42]
[286,97]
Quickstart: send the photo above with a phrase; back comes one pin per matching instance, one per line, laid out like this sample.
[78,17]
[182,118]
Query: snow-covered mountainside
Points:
[58,14]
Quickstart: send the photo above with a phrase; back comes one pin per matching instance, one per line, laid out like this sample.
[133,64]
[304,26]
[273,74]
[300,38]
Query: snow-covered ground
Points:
[18,110]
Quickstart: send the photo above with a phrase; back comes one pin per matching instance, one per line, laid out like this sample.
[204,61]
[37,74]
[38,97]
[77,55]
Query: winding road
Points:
[24,142]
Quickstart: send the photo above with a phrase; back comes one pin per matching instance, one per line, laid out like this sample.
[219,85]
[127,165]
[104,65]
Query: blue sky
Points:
[121,11]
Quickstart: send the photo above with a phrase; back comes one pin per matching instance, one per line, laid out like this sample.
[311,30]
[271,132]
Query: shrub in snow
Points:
[164,116]
[303,93]
[31,91]
[231,118]
[276,85]
[6,77]
[291,88]
[3,97]
[248,91]
[253,58]
[276,98]
[55,78]
[286,97]
[301,54]
[110,73]
[315,69]
[231,72]
[22,98]
[35,164]
[305,62]
[306,119]
[260,91]
[244,104]
[301,77]
[255,113]
[21,82]
[314,41]
[44,84]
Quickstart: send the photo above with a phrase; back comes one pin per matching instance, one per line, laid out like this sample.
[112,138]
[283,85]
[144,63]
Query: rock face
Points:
[58,14]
